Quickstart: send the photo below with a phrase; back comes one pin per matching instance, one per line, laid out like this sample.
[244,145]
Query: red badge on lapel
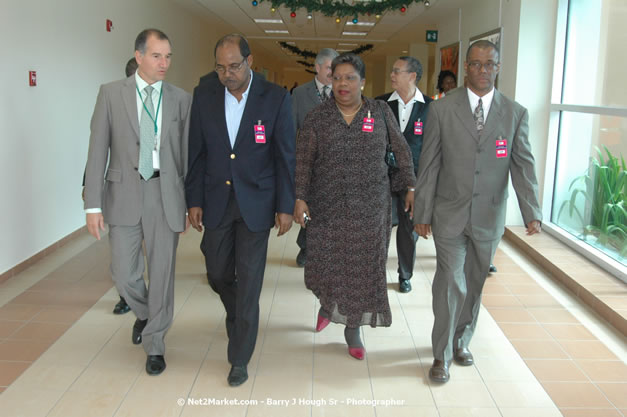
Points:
[418,127]
[260,133]
[501,148]
[368,125]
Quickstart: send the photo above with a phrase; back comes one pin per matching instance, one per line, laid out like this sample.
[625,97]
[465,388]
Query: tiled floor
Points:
[63,353]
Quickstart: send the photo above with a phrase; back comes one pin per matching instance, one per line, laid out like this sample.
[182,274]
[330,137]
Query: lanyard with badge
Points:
[154,119]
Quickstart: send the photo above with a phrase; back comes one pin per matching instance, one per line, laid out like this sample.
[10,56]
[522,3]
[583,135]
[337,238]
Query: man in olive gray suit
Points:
[304,99]
[477,137]
[140,125]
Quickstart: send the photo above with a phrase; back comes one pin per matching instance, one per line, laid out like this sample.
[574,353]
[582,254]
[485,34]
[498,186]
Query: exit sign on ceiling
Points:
[432,36]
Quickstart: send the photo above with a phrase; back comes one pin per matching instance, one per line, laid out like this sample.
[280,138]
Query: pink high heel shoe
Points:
[357,352]
[322,323]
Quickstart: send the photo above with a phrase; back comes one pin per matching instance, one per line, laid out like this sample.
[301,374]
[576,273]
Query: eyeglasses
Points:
[349,78]
[477,66]
[221,69]
[397,71]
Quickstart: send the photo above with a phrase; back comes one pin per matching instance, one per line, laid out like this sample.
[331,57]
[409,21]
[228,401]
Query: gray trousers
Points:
[155,302]
[462,267]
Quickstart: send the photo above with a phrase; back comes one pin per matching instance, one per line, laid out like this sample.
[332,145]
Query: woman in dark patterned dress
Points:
[343,187]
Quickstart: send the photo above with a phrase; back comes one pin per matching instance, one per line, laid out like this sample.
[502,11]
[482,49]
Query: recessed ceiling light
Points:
[348,44]
[349,23]
[268,21]
[276,31]
[355,33]
[403,52]
[343,50]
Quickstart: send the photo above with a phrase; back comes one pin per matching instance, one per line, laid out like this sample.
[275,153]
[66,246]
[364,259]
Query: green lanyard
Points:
[154,119]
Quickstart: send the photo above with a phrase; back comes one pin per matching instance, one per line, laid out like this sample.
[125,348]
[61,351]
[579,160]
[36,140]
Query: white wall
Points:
[45,129]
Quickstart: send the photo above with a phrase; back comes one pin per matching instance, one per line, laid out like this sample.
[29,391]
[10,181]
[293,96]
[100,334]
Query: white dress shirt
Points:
[486,102]
[234,110]
[405,109]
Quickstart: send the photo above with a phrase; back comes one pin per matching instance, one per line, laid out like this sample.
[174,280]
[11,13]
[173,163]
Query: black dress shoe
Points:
[404,285]
[138,328]
[237,376]
[121,307]
[155,364]
[463,357]
[301,258]
[439,371]
[492,269]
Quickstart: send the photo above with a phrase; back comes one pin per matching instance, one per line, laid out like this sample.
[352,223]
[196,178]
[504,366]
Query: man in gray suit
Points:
[140,125]
[477,137]
[305,98]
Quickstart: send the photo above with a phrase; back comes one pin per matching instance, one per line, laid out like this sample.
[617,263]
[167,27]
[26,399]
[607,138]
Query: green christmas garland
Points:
[341,9]
[310,54]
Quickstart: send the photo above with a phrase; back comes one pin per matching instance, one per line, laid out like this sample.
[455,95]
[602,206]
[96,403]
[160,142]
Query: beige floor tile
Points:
[9,327]
[587,349]
[524,331]
[502,369]
[461,394]
[171,383]
[531,349]
[615,392]
[342,387]
[590,412]
[67,315]
[569,332]
[468,412]
[503,301]
[406,411]
[527,411]
[343,411]
[28,403]
[86,404]
[282,388]
[105,380]
[604,371]
[161,405]
[519,394]
[552,315]
[556,370]
[511,315]
[576,394]
[264,410]
[214,410]
[44,375]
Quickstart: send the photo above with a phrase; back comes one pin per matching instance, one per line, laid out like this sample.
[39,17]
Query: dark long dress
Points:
[342,176]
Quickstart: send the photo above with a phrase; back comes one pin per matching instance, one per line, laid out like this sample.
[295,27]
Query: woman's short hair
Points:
[352,59]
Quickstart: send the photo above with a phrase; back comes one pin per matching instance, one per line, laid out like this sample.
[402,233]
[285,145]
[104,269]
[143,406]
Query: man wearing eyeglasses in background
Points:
[477,137]
[410,108]
[240,183]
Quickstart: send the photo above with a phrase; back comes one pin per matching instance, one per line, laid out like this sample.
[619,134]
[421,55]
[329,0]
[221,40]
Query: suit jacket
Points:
[460,179]
[418,112]
[305,98]
[260,174]
[115,134]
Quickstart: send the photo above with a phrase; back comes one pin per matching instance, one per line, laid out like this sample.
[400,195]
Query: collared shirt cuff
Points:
[93,210]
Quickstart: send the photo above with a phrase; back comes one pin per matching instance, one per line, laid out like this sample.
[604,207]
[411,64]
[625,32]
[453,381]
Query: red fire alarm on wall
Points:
[32,78]
[109,25]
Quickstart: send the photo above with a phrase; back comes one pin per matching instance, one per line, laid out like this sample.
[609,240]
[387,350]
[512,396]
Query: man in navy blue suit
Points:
[240,183]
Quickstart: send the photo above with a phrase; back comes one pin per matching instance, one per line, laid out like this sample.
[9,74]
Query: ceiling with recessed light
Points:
[390,34]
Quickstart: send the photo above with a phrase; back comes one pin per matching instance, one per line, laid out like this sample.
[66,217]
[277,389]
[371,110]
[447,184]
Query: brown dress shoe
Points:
[463,357]
[439,371]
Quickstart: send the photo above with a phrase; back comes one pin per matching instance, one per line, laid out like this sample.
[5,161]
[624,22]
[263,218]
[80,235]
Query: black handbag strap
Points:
[387,129]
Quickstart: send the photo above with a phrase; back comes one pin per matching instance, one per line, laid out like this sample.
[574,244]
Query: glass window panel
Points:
[591,181]
[596,57]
